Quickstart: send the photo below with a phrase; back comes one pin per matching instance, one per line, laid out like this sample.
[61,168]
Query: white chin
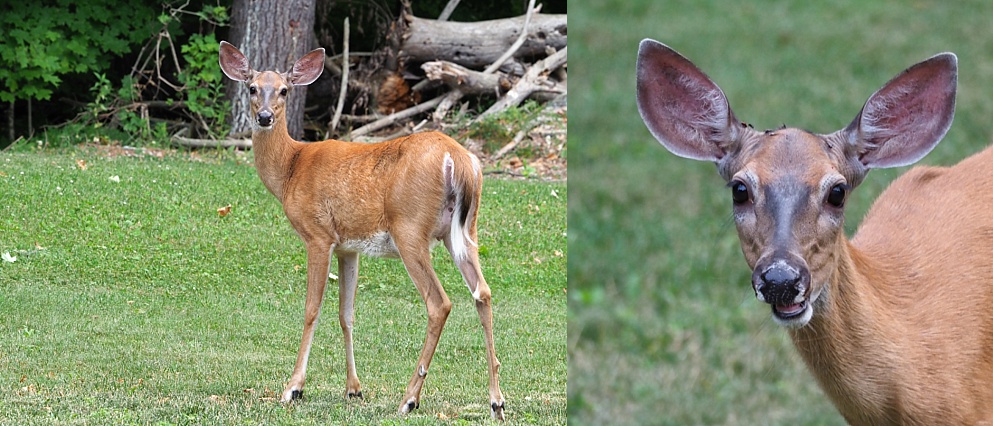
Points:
[799,320]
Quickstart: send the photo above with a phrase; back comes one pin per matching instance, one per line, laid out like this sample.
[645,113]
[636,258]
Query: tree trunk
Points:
[477,44]
[272,34]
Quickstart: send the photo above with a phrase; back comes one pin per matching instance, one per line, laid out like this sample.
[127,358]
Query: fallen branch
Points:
[512,144]
[465,80]
[447,11]
[451,98]
[368,118]
[211,143]
[532,81]
[344,85]
[392,118]
[179,140]
[503,172]
[479,44]
[512,50]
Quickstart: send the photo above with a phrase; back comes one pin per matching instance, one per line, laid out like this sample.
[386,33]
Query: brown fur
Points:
[901,331]
[351,198]
[900,335]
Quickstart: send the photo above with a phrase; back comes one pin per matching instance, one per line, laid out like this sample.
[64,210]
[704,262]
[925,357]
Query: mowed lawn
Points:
[664,327]
[133,301]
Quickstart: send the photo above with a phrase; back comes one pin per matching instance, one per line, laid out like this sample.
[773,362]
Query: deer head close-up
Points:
[870,315]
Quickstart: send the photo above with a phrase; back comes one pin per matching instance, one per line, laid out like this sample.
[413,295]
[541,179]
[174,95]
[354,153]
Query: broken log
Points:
[478,44]
[534,80]
[180,140]
[184,142]
[466,80]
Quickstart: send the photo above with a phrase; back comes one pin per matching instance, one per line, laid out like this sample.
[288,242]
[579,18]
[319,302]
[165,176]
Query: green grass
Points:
[663,324]
[145,306]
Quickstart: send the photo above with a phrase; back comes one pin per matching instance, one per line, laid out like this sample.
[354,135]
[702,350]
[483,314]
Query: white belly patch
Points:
[379,244]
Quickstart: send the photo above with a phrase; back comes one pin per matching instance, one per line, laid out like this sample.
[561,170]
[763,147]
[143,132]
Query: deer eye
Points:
[837,195]
[282,92]
[739,192]
[252,90]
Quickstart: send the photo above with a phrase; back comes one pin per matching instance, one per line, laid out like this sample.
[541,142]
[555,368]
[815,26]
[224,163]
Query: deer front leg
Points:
[318,258]
[348,276]
[418,264]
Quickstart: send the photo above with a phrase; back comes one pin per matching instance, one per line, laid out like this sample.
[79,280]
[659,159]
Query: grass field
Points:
[132,301]
[663,325]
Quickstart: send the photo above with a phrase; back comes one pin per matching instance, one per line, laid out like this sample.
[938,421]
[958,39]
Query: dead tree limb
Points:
[466,80]
[185,142]
[344,85]
[532,81]
[392,118]
[512,144]
[479,44]
[448,51]
[518,42]
[447,11]
[182,141]
[457,94]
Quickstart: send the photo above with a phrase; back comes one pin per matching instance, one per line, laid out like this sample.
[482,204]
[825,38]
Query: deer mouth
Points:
[789,311]
[794,314]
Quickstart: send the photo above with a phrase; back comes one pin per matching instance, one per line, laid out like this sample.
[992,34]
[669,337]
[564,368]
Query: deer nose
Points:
[264,118]
[779,283]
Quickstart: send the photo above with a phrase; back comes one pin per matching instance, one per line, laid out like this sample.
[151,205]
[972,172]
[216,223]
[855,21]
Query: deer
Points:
[896,323]
[393,199]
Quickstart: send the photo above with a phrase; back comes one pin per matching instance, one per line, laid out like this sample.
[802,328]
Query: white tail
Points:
[896,324]
[391,199]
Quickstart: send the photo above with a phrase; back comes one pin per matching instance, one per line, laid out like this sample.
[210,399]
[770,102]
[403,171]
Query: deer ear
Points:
[234,64]
[906,118]
[681,106]
[308,68]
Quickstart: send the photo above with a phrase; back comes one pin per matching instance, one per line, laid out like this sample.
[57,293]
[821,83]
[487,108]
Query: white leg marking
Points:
[409,405]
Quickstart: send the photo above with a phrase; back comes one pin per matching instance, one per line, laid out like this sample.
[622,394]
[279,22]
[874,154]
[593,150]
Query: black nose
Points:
[264,118]
[780,276]
[779,283]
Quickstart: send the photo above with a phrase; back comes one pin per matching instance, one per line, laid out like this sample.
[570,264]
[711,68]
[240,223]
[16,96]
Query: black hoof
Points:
[497,410]
[352,395]
[296,395]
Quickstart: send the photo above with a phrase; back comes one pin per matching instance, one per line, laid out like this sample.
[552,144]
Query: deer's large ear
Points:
[905,119]
[234,64]
[307,69]
[681,106]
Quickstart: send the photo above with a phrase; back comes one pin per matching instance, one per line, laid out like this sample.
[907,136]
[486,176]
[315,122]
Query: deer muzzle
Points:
[264,118]
[784,283]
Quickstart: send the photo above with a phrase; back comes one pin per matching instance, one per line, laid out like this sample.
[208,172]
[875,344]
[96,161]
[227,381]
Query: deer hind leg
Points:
[348,275]
[417,259]
[318,260]
[468,264]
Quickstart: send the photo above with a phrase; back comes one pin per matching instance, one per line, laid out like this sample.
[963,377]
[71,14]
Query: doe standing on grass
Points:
[391,199]
[896,324]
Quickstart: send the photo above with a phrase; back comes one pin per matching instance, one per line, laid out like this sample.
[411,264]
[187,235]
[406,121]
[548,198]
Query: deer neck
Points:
[851,344]
[275,151]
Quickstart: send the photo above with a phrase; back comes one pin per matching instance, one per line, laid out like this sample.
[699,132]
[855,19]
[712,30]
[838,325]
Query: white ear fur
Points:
[307,69]
[685,111]
[907,117]
[234,64]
